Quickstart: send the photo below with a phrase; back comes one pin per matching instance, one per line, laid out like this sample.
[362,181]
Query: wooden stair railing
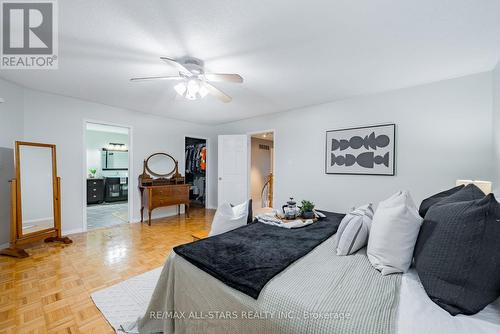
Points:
[267,192]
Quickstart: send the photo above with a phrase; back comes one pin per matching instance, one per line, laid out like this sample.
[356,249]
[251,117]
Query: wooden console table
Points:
[157,196]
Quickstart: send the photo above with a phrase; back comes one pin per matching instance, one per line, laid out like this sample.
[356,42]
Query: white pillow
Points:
[228,218]
[393,234]
[354,229]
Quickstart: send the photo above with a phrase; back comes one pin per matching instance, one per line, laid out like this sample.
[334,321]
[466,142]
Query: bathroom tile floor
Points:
[106,215]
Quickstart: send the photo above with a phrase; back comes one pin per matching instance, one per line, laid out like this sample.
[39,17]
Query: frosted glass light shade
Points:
[193,86]
[203,91]
[180,88]
[191,89]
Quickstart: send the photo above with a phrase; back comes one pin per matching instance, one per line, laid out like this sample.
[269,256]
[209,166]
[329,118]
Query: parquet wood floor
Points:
[49,292]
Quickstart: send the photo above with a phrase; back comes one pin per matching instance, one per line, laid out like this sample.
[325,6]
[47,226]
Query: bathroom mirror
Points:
[161,165]
[114,159]
[35,198]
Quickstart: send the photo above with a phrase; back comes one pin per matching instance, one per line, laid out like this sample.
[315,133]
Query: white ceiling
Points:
[291,53]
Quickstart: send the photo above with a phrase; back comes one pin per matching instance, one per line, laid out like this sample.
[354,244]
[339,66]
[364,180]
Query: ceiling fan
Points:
[194,82]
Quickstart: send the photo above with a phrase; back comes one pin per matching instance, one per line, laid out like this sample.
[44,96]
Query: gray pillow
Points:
[354,229]
[393,234]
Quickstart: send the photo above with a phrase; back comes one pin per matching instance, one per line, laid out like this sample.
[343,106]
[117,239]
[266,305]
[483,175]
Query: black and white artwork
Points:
[365,150]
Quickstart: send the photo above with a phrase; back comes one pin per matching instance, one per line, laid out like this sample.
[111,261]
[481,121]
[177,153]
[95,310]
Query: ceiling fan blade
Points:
[157,78]
[219,77]
[217,93]
[181,67]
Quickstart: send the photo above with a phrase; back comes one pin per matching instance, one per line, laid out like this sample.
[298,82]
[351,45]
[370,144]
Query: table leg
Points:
[149,217]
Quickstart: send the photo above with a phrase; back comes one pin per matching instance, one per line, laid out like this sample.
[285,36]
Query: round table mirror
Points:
[161,164]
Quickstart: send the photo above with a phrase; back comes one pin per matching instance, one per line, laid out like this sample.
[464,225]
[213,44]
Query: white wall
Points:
[496,128]
[11,129]
[6,174]
[260,167]
[442,132]
[96,140]
[11,114]
[60,120]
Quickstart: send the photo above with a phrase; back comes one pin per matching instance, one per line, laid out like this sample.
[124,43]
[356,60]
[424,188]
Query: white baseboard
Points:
[7,245]
[73,231]
[134,220]
[37,220]
[154,217]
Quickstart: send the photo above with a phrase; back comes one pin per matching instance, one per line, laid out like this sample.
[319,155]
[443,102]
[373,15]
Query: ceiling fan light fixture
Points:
[193,82]
[191,89]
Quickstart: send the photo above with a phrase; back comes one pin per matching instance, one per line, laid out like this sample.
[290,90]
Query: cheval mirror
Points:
[35,198]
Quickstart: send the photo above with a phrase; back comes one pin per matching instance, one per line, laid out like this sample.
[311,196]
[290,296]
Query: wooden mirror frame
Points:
[172,177]
[17,238]
[174,170]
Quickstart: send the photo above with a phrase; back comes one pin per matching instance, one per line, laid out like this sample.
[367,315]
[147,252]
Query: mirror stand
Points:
[16,240]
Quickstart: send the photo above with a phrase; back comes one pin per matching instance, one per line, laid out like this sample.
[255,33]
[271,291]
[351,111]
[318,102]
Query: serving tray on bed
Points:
[298,218]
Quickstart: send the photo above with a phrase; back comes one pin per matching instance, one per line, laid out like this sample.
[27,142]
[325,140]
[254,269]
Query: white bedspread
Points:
[417,314]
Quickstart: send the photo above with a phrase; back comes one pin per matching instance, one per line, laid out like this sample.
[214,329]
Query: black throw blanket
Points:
[250,256]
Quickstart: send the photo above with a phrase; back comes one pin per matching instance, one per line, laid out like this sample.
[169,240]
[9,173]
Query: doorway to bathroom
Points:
[107,175]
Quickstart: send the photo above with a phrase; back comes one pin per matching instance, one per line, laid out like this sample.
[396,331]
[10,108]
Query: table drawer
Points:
[160,192]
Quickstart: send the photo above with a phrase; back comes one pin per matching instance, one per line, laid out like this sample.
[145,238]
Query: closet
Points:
[196,166]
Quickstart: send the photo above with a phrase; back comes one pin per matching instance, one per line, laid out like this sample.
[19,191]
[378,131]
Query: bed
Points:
[320,293]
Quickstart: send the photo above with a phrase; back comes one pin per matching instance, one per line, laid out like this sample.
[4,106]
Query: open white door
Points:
[233,169]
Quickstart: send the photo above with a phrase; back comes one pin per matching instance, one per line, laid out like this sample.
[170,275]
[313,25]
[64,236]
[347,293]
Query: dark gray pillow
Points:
[428,202]
[250,212]
[457,254]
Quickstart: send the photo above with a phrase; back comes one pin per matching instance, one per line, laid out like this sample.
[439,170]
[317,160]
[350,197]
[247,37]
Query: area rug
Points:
[127,300]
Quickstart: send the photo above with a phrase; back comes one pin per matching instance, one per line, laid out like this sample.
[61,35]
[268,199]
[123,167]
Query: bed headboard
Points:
[485,186]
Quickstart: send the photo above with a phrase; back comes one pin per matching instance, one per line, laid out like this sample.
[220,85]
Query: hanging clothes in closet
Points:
[196,158]
[196,165]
